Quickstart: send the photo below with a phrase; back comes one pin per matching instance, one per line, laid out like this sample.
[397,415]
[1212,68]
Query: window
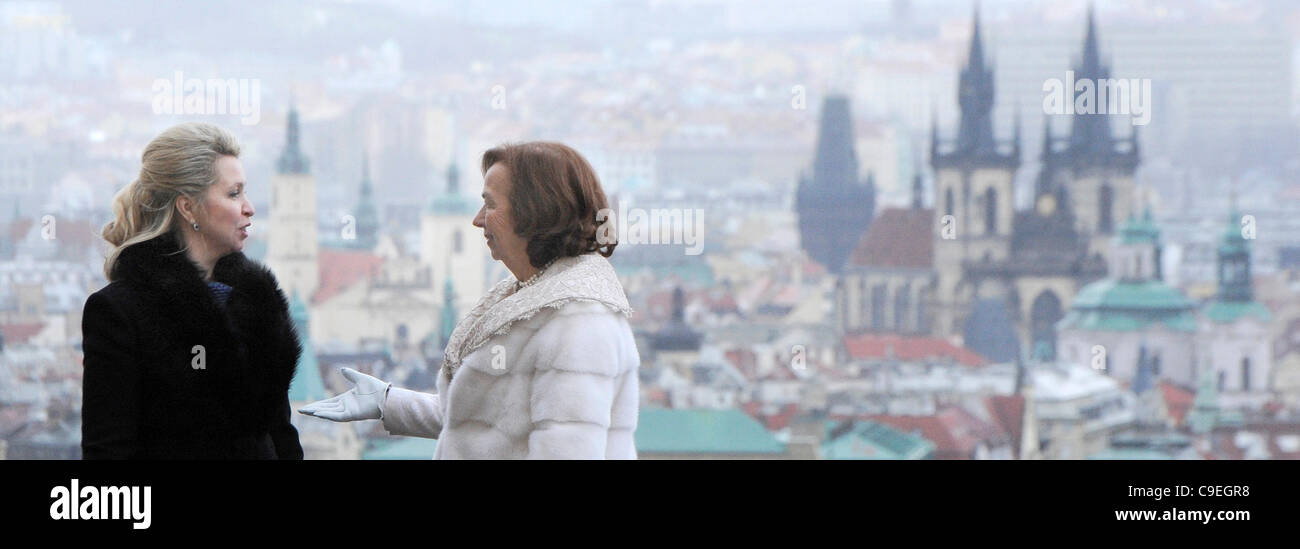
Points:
[921,325]
[901,305]
[990,211]
[456,241]
[948,201]
[1105,200]
[1245,373]
[878,307]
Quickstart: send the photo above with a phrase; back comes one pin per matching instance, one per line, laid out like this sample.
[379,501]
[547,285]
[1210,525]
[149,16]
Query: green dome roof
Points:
[451,204]
[1139,231]
[1119,305]
[1128,294]
[1227,312]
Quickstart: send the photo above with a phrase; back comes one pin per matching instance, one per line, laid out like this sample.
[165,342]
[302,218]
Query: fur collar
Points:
[254,328]
[587,277]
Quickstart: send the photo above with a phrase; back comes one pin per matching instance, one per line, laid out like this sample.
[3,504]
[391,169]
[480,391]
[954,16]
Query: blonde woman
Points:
[545,365]
[189,350]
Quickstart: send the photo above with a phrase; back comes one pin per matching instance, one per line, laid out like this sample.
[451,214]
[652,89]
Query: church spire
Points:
[1091,51]
[835,206]
[975,95]
[1091,133]
[976,54]
[1234,257]
[367,216]
[453,177]
[292,159]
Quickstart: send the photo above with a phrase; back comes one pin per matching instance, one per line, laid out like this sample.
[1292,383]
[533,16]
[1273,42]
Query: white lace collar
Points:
[587,277]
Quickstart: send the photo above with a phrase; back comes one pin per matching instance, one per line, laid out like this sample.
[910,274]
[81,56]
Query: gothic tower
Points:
[367,215]
[973,193]
[834,207]
[293,244]
[1096,166]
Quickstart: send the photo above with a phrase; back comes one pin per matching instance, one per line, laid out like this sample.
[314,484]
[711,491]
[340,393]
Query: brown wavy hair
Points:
[555,199]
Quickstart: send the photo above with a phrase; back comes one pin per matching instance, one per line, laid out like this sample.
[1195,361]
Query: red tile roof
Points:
[930,427]
[913,348]
[969,430]
[20,333]
[1177,401]
[1223,440]
[18,228]
[776,421]
[813,269]
[744,360]
[897,237]
[1008,412]
[954,431]
[340,269]
[656,396]
[77,232]
[13,417]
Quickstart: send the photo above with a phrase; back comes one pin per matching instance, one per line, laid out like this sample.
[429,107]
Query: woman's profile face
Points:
[495,217]
[227,212]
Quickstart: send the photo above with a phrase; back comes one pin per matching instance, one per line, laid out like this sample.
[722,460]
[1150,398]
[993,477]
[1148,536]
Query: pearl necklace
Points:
[532,279]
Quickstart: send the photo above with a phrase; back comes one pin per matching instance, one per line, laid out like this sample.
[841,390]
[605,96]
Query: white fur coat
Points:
[549,371]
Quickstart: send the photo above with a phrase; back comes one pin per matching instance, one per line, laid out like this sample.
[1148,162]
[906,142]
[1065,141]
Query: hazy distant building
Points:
[293,243]
[1133,313]
[1133,319]
[1095,168]
[834,207]
[1235,328]
[320,438]
[1031,262]
[1217,86]
[366,215]
[890,277]
[451,245]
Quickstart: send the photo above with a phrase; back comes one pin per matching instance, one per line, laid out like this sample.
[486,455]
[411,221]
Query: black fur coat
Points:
[146,392]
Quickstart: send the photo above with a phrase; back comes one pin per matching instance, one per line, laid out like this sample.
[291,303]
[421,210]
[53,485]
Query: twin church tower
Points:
[972,266]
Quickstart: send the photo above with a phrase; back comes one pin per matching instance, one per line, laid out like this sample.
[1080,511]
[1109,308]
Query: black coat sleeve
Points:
[284,435]
[110,393]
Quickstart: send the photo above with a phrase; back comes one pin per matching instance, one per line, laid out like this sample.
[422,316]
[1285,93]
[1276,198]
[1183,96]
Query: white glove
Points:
[364,401]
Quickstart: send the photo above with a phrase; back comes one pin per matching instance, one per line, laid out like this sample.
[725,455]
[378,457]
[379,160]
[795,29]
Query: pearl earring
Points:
[196,225]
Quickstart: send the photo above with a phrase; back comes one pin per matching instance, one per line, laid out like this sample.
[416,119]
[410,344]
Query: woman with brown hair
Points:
[189,349]
[545,365]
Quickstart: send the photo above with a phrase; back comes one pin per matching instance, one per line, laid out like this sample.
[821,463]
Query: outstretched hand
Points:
[364,401]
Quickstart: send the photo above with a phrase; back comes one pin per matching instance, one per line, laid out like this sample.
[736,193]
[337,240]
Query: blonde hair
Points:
[181,161]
